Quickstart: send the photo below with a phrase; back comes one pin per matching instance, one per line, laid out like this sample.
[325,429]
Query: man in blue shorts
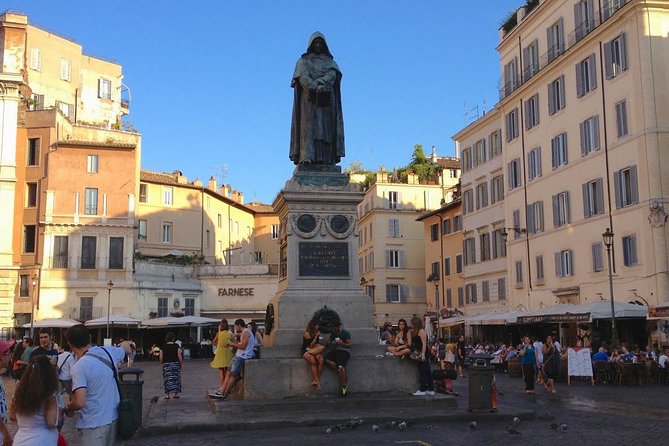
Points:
[339,356]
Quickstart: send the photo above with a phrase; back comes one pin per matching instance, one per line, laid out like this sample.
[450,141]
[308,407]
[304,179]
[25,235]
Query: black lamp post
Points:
[32,307]
[110,285]
[608,242]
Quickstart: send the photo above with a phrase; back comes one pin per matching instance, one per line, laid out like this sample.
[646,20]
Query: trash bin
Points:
[481,376]
[131,383]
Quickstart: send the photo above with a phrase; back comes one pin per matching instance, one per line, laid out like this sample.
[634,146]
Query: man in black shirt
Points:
[45,347]
[461,353]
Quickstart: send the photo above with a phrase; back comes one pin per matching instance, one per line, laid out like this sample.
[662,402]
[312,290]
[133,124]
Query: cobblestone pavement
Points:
[595,414]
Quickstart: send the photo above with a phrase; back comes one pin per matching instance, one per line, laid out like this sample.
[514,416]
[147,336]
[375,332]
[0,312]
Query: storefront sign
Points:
[235,291]
[659,312]
[554,318]
[323,259]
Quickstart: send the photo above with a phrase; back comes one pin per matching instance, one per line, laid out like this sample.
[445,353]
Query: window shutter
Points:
[404,293]
[563,139]
[633,256]
[597,257]
[551,44]
[558,265]
[623,52]
[579,79]
[570,254]
[538,164]
[386,203]
[528,114]
[388,293]
[554,153]
[593,71]
[578,19]
[555,211]
[560,36]
[402,259]
[618,188]
[530,219]
[540,217]
[388,258]
[510,175]
[595,132]
[551,98]
[100,92]
[562,96]
[599,186]
[634,186]
[567,206]
[526,63]
[586,200]
[391,228]
[608,59]
[584,142]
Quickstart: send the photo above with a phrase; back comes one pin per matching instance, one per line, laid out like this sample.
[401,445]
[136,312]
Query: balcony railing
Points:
[553,53]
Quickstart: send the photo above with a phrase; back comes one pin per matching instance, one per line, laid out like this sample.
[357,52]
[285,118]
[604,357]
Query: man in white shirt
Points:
[662,360]
[94,389]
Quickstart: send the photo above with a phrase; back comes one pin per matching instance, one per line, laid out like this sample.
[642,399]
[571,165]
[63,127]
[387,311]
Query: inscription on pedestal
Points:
[323,259]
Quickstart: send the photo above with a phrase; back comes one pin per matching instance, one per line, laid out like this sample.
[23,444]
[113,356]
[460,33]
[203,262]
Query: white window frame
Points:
[593,198]
[561,211]
[393,199]
[589,135]
[564,263]
[539,262]
[586,76]
[394,228]
[142,229]
[621,119]
[532,112]
[630,256]
[65,69]
[92,163]
[626,187]
[512,125]
[90,204]
[104,89]
[514,174]
[167,232]
[168,196]
[556,96]
[274,231]
[559,151]
[495,144]
[35,58]
[615,56]
[534,163]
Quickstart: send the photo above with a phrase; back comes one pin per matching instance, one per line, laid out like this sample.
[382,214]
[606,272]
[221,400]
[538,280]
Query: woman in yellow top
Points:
[223,356]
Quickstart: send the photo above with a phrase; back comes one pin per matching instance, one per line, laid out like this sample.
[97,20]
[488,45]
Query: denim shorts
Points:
[237,365]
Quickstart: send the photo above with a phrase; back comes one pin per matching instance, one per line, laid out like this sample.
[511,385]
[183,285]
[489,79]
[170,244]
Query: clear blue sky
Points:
[210,80]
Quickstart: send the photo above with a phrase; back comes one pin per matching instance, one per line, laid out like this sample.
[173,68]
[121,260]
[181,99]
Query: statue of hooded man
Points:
[317,129]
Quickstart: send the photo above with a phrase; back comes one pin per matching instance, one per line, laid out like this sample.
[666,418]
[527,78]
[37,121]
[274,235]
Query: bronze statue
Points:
[317,129]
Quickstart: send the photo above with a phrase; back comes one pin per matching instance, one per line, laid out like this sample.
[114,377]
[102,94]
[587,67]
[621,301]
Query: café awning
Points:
[451,321]
[495,318]
[582,312]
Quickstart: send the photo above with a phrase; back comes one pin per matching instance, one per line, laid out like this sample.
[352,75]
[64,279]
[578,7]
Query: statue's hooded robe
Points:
[317,130]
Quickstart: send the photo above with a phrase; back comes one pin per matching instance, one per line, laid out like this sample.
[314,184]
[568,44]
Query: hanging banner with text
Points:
[555,318]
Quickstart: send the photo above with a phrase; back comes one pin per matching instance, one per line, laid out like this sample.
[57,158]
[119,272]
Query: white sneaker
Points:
[419,393]
[429,392]
[389,354]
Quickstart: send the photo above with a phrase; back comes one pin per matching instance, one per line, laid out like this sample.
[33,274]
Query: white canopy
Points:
[451,321]
[60,322]
[495,318]
[186,321]
[115,320]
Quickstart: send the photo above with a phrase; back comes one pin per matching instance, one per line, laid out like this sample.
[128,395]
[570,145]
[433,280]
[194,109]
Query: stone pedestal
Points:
[318,211]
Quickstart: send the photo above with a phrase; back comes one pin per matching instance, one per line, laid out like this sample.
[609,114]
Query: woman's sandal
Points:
[314,384]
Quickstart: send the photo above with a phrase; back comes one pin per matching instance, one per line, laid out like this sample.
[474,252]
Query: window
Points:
[556,96]
[485,291]
[611,6]
[258,257]
[481,195]
[24,287]
[629,250]
[589,135]
[458,263]
[615,56]
[555,35]
[91,201]
[434,232]
[435,269]
[446,226]
[60,251]
[597,261]
[561,213]
[511,80]
[85,308]
[470,292]
[469,249]
[512,125]
[394,258]
[36,102]
[564,263]
[501,289]
[535,217]
[35,59]
[627,192]
[92,164]
[33,151]
[115,252]
[393,199]
[539,261]
[31,195]
[65,69]
[484,242]
[532,112]
[393,227]
[396,293]
[461,297]
[447,266]
[497,189]
[559,150]
[167,233]
[516,223]
[467,159]
[189,306]
[88,252]
[457,223]
[143,192]
[275,231]
[167,196]
[142,230]
[104,88]
[519,273]
[207,239]
[449,297]
[514,174]
[531,60]
[621,119]
[495,145]
[66,109]
[468,201]
[162,307]
[28,239]
[534,163]
[593,198]
[480,152]
[584,16]
[498,244]
[586,76]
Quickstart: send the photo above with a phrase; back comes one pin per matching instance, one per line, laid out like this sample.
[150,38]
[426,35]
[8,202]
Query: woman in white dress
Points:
[34,404]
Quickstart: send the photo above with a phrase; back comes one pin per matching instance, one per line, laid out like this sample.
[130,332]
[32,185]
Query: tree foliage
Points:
[421,166]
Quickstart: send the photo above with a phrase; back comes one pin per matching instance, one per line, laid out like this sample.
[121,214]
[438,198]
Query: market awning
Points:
[495,318]
[582,312]
[451,321]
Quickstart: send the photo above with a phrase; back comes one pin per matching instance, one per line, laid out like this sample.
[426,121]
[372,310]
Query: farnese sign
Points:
[323,259]
[235,291]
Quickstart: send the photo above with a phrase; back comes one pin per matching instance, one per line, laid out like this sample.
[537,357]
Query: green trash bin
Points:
[481,376]
[131,383]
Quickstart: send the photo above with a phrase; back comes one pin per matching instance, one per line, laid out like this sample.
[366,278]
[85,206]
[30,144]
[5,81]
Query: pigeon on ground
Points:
[516,421]
[402,425]
[375,428]
[564,426]
[554,426]
[512,430]
[473,425]
[154,400]
[328,430]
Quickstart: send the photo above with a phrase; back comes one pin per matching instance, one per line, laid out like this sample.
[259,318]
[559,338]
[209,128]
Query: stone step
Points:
[292,351]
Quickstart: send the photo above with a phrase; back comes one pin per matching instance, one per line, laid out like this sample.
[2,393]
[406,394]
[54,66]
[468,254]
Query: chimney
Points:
[179,177]
[238,197]
[457,149]
[225,190]
[212,184]
[433,157]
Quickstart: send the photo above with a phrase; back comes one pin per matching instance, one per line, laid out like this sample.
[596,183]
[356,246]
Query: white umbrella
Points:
[114,320]
[185,321]
[428,328]
[60,322]
[156,322]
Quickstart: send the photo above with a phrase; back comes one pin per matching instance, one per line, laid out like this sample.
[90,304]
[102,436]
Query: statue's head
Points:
[318,45]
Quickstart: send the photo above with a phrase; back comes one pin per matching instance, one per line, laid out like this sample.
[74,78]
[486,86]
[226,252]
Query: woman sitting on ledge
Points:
[401,345]
[312,352]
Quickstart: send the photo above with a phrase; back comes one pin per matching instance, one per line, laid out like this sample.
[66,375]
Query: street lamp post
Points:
[110,285]
[32,307]
[608,242]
